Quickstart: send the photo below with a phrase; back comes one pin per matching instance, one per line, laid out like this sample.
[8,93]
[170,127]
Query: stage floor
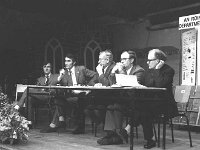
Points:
[67,141]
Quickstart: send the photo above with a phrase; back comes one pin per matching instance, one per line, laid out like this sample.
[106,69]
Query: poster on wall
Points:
[198,57]
[189,48]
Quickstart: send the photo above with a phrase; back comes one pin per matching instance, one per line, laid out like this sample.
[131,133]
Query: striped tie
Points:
[47,80]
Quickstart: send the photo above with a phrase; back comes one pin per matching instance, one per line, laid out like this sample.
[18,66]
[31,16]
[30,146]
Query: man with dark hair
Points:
[47,79]
[113,119]
[73,75]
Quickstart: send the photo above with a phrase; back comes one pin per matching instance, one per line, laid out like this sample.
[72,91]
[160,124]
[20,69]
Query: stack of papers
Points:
[126,80]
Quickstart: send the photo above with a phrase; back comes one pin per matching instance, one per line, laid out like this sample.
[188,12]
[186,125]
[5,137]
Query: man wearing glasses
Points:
[47,79]
[114,118]
[159,75]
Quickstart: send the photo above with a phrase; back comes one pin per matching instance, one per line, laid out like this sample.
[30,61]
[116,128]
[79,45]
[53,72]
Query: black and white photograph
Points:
[99,74]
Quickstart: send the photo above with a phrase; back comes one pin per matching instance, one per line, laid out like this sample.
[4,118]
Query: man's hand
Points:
[118,67]
[160,64]
[61,74]
[98,84]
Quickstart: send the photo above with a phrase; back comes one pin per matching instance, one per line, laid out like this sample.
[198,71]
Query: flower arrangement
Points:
[13,127]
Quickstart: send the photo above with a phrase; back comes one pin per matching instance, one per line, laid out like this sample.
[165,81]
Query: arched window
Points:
[54,53]
[91,54]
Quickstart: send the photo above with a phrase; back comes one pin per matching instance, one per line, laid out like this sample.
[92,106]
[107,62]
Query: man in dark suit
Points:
[159,75]
[70,76]
[97,112]
[47,79]
[114,118]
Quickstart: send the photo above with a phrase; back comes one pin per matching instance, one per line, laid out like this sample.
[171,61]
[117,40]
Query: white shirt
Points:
[129,70]
[75,82]
[73,76]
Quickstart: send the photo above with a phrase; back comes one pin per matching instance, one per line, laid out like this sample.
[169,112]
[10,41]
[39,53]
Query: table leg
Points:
[131,133]
[164,132]
[27,103]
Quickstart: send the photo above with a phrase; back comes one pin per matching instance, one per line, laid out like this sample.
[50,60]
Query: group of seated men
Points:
[107,104]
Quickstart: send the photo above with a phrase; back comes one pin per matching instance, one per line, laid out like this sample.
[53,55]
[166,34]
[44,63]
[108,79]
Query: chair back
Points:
[20,88]
[182,93]
[196,92]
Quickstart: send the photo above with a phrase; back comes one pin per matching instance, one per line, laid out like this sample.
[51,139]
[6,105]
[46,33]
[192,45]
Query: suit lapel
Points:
[132,70]
[108,70]
[43,80]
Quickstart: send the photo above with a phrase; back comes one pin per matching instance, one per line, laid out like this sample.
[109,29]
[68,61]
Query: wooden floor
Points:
[67,141]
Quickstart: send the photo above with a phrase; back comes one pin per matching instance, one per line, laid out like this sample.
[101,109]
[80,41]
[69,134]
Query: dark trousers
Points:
[148,112]
[75,102]
[36,102]
[147,125]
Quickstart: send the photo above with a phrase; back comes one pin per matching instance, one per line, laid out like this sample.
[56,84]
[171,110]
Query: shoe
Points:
[100,141]
[78,130]
[110,140]
[48,130]
[150,144]
[124,135]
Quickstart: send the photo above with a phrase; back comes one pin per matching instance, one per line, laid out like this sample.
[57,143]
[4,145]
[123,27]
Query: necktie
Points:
[103,70]
[125,71]
[70,82]
[47,80]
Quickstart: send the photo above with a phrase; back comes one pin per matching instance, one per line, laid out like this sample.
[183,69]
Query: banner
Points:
[187,22]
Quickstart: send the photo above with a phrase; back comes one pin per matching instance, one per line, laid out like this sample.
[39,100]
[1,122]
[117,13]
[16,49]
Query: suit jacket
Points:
[136,70]
[53,80]
[162,78]
[104,78]
[102,97]
[83,75]
[139,72]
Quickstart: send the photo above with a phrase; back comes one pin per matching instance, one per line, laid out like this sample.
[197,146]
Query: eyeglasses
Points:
[124,59]
[149,60]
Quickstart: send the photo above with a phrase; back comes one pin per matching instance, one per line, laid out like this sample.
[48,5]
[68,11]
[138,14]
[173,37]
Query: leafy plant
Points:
[13,126]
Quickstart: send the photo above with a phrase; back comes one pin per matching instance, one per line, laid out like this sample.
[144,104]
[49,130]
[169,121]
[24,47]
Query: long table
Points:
[136,89]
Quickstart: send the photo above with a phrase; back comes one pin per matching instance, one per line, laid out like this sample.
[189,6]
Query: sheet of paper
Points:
[126,80]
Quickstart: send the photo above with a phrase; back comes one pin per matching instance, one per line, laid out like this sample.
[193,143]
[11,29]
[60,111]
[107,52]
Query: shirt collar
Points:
[48,75]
